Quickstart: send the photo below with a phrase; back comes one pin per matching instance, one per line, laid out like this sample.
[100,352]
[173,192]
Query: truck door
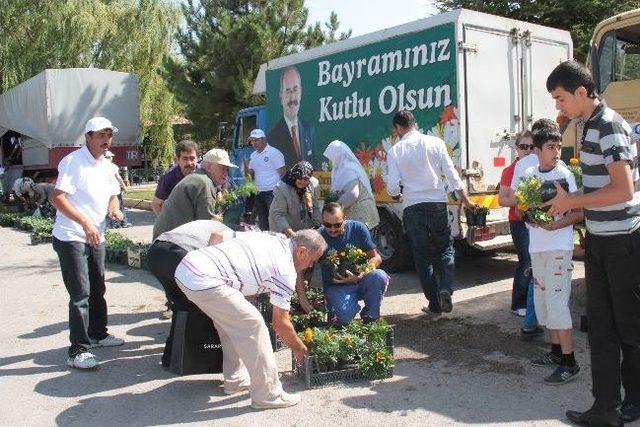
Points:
[540,56]
[241,149]
[493,104]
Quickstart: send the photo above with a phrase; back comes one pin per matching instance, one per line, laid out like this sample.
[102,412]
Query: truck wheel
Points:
[392,243]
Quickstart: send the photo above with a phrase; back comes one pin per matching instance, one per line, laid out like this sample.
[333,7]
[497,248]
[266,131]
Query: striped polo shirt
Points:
[253,263]
[605,139]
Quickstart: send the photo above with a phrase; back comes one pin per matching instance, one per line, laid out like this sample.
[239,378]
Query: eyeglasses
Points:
[305,178]
[525,146]
[336,225]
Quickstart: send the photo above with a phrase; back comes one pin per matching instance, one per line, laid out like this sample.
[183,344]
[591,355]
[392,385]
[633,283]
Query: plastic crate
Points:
[137,257]
[116,256]
[309,373]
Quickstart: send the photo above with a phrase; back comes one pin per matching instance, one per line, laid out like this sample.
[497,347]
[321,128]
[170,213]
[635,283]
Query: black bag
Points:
[196,347]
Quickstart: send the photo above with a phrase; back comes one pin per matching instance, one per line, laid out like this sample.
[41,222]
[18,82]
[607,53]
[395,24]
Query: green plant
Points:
[349,258]
[480,210]
[329,196]
[117,242]
[248,188]
[529,196]
[302,321]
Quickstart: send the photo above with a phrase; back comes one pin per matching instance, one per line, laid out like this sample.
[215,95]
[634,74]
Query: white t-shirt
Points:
[524,164]
[89,184]
[19,186]
[265,167]
[541,240]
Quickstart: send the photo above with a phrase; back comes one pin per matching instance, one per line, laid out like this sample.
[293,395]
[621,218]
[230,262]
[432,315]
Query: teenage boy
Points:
[551,249]
[612,211]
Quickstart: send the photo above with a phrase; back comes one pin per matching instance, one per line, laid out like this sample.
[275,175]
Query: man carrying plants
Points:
[612,212]
[551,249]
[350,268]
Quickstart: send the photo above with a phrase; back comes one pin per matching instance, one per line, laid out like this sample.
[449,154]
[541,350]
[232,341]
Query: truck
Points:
[42,119]
[472,79]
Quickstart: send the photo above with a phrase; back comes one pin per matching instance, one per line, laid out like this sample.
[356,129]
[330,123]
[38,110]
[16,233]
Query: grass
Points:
[140,194]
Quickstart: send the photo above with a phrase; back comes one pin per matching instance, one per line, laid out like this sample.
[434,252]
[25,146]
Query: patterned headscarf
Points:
[301,170]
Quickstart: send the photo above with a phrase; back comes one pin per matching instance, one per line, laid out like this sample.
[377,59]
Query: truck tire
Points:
[393,244]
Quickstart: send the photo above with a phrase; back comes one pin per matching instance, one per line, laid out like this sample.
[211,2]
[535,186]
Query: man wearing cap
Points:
[266,166]
[195,196]
[85,193]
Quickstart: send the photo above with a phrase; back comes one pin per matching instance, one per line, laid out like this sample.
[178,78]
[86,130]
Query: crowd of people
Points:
[207,266]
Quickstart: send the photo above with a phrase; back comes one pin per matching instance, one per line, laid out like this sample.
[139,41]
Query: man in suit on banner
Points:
[293,136]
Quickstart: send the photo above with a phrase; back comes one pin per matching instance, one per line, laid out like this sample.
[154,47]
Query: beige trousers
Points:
[246,347]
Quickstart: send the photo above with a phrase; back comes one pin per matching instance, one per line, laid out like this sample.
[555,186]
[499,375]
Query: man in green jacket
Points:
[196,195]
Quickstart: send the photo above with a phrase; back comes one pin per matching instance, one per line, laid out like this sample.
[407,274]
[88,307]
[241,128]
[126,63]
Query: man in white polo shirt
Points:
[85,194]
[266,166]
[217,279]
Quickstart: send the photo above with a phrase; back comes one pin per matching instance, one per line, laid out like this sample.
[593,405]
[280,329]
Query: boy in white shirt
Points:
[551,249]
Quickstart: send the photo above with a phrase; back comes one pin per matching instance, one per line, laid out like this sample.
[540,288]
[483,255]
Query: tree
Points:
[222,46]
[120,35]
[579,17]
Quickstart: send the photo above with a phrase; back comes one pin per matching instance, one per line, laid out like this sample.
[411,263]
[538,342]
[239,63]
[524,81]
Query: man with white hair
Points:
[218,278]
[195,195]
[85,195]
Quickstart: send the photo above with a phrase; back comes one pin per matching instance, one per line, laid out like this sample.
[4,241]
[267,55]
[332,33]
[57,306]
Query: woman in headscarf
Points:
[296,201]
[351,185]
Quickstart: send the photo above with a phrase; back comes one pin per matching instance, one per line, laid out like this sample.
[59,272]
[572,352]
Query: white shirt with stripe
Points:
[253,263]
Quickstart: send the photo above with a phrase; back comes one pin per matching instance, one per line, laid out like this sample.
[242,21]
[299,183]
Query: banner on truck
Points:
[353,95]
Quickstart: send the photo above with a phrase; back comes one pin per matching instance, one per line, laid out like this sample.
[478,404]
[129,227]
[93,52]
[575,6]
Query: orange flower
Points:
[521,207]
[448,114]
[574,162]
[347,340]
[308,335]
[379,356]
[364,154]
[378,184]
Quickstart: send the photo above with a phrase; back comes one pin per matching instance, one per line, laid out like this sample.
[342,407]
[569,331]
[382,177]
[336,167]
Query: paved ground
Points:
[466,368]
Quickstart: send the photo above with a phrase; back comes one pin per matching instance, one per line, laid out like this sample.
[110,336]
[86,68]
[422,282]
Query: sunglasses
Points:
[336,225]
[305,178]
[525,146]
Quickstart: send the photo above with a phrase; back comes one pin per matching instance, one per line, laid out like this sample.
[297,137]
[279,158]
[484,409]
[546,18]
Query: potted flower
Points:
[477,217]
[350,259]
[531,193]
[576,170]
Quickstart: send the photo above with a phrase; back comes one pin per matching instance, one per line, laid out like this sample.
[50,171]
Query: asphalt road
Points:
[466,368]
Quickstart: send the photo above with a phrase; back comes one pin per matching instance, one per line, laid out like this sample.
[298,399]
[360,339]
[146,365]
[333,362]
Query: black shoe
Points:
[529,335]
[445,302]
[593,418]
[546,359]
[562,375]
[630,412]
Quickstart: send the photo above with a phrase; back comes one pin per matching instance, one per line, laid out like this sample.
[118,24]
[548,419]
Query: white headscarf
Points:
[345,167]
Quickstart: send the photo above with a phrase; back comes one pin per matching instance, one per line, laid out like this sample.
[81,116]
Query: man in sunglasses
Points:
[344,292]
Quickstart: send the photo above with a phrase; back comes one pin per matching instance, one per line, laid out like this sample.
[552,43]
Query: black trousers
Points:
[612,272]
[82,267]
[262,204]
[163,258]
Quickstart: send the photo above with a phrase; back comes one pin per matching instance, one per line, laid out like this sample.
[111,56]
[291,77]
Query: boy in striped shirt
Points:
[612,211]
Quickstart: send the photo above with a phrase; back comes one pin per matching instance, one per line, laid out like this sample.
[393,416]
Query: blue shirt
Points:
[167,181]
[355,234]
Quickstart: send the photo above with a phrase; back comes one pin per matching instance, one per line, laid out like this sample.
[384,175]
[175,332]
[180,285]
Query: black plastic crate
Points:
[309,373]
[266,310]
[37,238]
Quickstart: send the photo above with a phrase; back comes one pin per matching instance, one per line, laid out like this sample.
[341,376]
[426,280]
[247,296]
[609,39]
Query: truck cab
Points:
[246,120]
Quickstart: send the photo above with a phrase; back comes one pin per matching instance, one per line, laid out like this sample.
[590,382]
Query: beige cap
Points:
[218,156]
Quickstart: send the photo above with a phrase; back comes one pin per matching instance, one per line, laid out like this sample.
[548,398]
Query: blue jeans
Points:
[342,300]
[523,275]
[530,319]
[427,225]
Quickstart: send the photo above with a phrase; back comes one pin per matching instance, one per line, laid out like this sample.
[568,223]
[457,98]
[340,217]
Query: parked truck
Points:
[43,119]
[470,78]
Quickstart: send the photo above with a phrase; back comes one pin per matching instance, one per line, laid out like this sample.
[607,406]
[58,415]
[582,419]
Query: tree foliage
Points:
[132,36]
[579,17]
[222,45]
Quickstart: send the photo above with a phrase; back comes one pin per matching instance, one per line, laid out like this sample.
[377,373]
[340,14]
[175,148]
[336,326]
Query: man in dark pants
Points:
[609,163]
[416,165]
[167,252]
[85,195]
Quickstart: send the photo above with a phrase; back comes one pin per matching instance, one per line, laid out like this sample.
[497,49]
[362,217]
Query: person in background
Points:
[418,165]
[522,278]
[186,163]
[84,196]
[43,198]
[23,190]
[123,189]
[266,167]
[296,201]
[350,183]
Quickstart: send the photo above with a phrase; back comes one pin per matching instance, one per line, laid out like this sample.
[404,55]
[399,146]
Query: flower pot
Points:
[549,190]
[475,219]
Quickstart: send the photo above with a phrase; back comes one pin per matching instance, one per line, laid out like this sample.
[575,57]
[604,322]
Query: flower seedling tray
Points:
[117,256]
[37,238]
[309,371]
[137,257]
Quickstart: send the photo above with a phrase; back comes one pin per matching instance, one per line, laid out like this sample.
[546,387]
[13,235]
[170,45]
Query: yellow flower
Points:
[308,335]
[574,162]
[379,356]
[521,207]
[347,340]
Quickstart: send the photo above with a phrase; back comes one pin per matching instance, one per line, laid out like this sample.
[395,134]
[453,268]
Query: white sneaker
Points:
[283,401]
[84,360]
[243,386]
[521,312]
[108,341]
